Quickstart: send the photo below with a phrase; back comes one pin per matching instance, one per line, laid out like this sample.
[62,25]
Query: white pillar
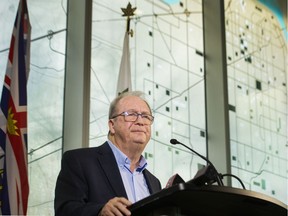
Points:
[77,76]
[217,111]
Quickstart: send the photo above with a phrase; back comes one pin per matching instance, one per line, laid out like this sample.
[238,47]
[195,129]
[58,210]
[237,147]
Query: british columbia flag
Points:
[14,186]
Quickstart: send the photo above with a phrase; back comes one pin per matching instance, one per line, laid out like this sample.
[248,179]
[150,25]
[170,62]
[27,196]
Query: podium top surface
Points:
[209,200]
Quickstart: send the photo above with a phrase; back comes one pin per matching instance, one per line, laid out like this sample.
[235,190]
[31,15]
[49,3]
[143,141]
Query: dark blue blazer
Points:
[89,177]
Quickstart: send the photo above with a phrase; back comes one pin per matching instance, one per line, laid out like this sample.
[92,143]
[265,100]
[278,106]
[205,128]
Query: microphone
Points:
[208,174]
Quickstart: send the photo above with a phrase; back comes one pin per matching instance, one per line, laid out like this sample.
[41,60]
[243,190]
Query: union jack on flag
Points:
[14,186]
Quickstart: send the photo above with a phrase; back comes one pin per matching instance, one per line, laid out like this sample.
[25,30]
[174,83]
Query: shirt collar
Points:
[123,160]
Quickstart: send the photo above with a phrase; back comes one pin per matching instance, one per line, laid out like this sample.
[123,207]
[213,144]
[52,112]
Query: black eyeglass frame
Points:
[143,115]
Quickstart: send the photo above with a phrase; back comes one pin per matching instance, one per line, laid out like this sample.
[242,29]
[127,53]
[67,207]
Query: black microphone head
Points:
[174,141]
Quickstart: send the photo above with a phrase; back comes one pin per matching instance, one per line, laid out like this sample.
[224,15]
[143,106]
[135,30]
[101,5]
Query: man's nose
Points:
[140,119]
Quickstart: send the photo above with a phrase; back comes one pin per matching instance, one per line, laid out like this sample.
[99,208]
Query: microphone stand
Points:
[210,169]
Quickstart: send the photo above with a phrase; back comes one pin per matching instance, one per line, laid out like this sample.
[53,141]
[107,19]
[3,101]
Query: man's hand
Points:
[116,207]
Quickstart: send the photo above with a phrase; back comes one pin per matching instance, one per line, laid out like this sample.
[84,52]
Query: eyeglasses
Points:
[133,116]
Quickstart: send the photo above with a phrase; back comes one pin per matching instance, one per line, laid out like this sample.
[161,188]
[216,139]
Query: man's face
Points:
[129,134]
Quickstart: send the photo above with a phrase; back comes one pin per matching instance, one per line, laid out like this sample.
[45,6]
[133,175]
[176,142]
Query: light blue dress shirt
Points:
[134,182]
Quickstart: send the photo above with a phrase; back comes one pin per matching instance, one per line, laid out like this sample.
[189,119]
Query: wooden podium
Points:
[187,200]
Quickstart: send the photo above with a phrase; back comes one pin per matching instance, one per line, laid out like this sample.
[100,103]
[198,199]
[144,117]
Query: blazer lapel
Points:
[153,185]
[110,168]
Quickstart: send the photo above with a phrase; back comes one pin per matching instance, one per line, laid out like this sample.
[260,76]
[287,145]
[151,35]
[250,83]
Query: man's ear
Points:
[111,126]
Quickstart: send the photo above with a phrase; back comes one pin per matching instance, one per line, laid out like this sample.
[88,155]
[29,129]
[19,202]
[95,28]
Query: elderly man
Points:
[105,180]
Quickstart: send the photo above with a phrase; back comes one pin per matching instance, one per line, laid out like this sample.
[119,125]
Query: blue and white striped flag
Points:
[14,186]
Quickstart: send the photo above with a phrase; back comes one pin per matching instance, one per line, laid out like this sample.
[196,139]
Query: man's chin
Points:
[140,141]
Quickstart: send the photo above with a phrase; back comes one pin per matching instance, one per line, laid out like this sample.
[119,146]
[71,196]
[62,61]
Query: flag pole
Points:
[124,78]
[128,11]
